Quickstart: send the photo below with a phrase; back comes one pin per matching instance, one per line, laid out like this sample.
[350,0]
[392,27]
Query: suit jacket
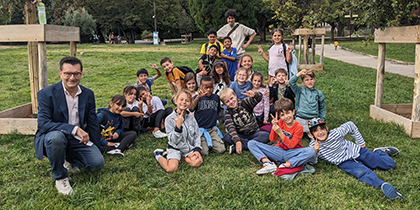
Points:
[53,115]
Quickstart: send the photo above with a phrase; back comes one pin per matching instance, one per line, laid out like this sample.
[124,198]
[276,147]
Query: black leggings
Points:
[156,118]
[126,139]
[132,123]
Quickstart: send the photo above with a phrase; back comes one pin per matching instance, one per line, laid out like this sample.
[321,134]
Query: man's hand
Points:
[250,94]
[244,46]
[238,146]
[83,135]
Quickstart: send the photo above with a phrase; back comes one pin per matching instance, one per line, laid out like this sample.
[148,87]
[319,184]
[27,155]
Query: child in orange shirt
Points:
[288,149]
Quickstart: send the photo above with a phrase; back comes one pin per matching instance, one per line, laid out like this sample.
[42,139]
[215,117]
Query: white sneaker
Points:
[70,168]
[63,186]
[268,167]
[115,152]
[159,134]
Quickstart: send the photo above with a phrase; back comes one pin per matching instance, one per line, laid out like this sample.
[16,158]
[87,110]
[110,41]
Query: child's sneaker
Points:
[116,152]
[282,166]
[158,153]
[232,149]
[390,191]
[159,134]
[268,167]
[391,151]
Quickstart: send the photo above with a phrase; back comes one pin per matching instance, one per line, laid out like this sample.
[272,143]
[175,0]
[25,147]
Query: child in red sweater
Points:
[288,149]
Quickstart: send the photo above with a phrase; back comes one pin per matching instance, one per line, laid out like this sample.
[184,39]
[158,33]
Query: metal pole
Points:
[154,14]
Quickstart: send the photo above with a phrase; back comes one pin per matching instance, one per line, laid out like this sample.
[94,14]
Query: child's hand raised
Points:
[260,50]
[303,72]
[154,66]
[180,118]
[201,93]
[275,120]
[250,94]
[291,47]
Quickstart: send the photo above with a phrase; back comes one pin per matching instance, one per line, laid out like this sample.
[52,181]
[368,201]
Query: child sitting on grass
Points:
[262,109]
[310,102]
[143,80]
[353,158]
[229,57]
[239,120]
[154,112]
[190,83]
[112,125]
[174,76]
[212,36]
[288,149]
[279,88]
[206,62]
[132,114]
[207,106]
[183,136]
[241,84]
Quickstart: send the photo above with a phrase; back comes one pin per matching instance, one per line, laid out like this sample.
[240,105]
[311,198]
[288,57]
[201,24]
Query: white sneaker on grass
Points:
[268,167]
[70,168]
[116,152]
[391,151]
[63,186]
[159,134]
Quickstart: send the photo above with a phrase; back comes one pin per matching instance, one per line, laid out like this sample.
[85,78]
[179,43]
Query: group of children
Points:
[217,93]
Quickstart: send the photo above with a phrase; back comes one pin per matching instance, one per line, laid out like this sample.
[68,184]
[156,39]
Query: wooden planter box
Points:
[18,119]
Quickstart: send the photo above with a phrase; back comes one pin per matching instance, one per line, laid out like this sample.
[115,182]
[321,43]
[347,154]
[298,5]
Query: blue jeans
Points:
[295,157]
[362,167]
[60,147]
[259,136]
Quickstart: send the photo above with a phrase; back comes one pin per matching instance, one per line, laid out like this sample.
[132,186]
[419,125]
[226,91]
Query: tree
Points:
[264,16]
[209,14]
[82,19]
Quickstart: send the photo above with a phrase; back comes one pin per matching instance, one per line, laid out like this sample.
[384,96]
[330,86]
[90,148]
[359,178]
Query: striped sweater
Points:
[240,120]
[336,149]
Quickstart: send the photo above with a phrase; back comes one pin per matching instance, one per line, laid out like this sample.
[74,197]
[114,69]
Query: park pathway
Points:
[364,60]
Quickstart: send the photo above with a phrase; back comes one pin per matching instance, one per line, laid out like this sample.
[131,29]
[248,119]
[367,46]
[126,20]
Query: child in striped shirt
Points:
[353,158]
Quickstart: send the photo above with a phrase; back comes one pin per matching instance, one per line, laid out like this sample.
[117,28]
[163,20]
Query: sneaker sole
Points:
[390,192]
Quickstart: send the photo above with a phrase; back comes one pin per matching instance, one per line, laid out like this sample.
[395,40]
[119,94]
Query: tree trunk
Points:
[340,28]
[262,32]
[100,34]
[332,32]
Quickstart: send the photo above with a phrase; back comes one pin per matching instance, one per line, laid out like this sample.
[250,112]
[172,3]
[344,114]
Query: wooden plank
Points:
[309,31]
[313,49]
[300,48]
[73,49]
[27,126]
[387,116]
[405,34]
[30,18]
[305,49]
[380,75]
[415,131]
[416,97]
[321,58]
[58,33]
[38,32]
[315,67]
[18,112]
[398,108]
[42,61]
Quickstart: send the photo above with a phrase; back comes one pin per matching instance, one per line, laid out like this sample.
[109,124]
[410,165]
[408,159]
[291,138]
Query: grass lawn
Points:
[223,181]
[402,52]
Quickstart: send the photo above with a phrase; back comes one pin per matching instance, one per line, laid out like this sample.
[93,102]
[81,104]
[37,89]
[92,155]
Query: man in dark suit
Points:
[67,125]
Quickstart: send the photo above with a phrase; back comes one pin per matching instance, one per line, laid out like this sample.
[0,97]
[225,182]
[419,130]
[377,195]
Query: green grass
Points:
[401,52]
[223,181]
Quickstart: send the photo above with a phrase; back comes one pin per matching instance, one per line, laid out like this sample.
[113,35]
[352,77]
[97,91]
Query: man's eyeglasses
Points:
[67,75]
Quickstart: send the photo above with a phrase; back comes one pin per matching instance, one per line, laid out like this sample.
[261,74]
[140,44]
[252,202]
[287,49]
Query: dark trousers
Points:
[362,167]
[156,118]
[132,123]
[260,136]
[126,139]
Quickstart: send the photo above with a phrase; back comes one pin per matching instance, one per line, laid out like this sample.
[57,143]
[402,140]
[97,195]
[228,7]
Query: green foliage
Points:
[209,14]
[146,34]
[82,19]
[186,23]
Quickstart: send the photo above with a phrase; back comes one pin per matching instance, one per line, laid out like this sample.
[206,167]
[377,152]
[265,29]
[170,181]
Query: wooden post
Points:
[380,75]
[416,98]
[73,49]
[321,59]
[42,57]
[300,48]
[305,49]
[313,48]
[30,18]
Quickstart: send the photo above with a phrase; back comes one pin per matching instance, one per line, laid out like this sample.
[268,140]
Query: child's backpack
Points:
[219,49]
[183,69]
